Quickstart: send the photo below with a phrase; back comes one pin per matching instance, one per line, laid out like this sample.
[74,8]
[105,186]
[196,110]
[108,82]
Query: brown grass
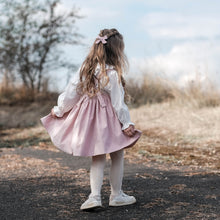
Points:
[180,126]
[198,94]
[16,95]
[149,90]
[155,89]
[177,135]
[183,135]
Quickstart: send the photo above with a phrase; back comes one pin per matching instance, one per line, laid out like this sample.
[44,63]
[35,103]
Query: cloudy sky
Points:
[178,39]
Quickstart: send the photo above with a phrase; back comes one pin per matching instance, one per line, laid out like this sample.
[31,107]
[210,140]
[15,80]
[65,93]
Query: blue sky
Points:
[179,39]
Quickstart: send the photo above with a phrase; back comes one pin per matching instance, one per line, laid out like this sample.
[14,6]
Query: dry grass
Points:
[150,90]
[16,95]
[197,94]
[183,135]
[180,126]
[26,137]
[171,134]
[155,89]
[202,124]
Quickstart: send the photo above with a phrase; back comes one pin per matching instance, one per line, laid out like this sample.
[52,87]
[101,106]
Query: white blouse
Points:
[70,97]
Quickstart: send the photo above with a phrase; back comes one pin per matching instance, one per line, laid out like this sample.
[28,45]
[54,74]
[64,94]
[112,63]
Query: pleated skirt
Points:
[90,128]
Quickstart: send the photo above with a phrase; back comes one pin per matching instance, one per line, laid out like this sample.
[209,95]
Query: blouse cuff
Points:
[126,125]
[57,111]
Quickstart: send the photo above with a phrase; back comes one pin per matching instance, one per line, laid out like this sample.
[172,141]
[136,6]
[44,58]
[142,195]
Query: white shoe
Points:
[91,202]
[121,199]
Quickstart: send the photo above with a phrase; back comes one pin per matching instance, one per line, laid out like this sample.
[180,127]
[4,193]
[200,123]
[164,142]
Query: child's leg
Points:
[96,174]
[118,197]
[96,180]
[116,171]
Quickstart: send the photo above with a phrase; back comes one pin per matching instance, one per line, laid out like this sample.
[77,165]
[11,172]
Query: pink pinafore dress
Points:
[90,128]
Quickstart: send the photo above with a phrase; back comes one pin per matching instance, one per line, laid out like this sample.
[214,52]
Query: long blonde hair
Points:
[111,53]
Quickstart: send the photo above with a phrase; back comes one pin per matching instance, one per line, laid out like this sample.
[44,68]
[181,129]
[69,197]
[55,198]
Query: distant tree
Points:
[31,35]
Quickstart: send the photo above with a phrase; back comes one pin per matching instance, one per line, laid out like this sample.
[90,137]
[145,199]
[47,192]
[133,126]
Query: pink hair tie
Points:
[101,39]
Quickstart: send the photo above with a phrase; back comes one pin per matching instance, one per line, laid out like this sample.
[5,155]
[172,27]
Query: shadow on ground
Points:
[163,195]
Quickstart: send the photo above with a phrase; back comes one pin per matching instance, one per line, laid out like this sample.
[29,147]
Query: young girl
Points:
[92,119]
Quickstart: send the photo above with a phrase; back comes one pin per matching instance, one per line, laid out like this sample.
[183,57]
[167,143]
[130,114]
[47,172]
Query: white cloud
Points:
[172,27]
[169,25]
[99,13]
[200,6]
[184,62]
[97,9]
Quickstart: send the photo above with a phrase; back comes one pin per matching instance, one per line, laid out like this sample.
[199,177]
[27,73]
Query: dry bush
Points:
[198,94]
[13,95]
[150,90]
[155,89]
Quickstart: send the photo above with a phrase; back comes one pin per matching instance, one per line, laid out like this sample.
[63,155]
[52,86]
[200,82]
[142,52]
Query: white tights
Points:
[116,172]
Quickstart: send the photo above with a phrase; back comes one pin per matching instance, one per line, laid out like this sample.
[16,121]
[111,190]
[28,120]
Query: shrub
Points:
[155,89]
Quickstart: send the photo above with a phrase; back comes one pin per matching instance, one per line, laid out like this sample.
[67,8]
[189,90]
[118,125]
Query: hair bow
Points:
[101,39]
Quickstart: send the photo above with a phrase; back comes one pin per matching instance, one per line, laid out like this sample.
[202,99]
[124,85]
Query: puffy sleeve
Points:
[68,98]
[116,92]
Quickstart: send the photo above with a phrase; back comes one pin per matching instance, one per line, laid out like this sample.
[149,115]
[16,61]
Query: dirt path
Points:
[43,183]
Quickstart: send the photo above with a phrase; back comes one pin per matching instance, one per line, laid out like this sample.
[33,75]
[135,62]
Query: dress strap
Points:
[101,100]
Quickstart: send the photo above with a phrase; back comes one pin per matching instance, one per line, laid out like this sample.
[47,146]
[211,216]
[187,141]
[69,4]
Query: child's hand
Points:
[129,131]
[53,114]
